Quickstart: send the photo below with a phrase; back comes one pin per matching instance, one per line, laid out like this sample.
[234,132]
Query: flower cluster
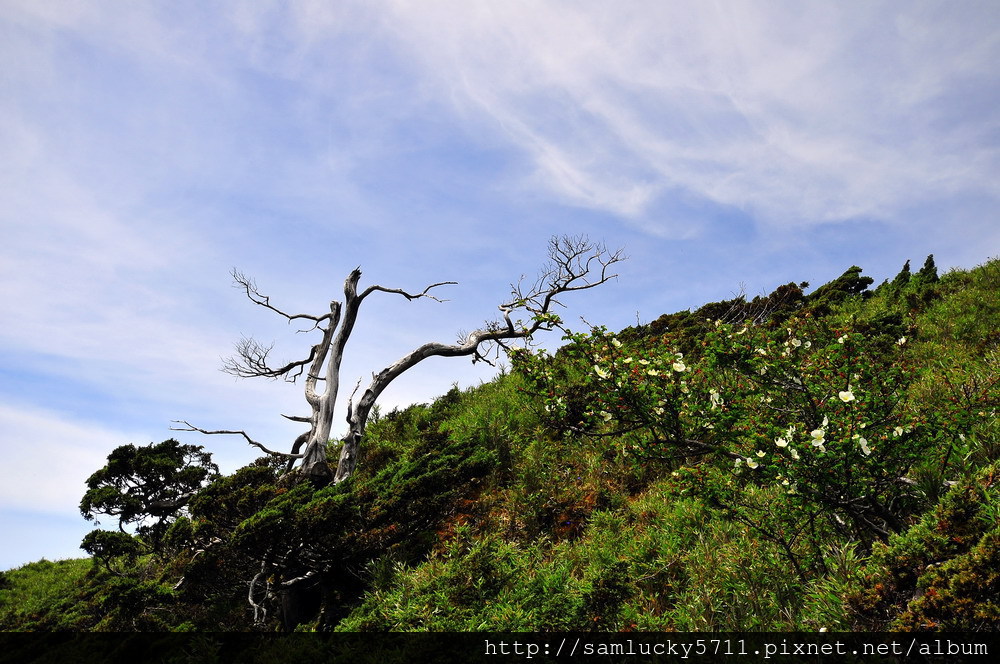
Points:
[814,411]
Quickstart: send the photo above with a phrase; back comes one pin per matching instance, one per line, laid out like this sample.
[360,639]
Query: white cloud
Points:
[797,113]
[48,459]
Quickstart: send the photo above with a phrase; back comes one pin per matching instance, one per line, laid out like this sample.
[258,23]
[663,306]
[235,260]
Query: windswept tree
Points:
[574,263]
[144,488]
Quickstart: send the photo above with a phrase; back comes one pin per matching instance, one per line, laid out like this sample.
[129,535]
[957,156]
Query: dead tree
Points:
[574,263]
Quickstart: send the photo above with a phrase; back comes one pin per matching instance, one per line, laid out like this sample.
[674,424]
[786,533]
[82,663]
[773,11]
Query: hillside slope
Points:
[791,462]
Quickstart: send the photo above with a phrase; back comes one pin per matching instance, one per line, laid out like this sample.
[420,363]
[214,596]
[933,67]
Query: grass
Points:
[40,595]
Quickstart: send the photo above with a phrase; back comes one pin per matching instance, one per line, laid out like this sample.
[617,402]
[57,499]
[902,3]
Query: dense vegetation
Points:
[792,462]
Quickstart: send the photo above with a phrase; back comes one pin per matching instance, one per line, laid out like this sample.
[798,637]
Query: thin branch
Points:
[408,296]
[190,427]
[249,286]
[571,267]
[250,361]
[299,579]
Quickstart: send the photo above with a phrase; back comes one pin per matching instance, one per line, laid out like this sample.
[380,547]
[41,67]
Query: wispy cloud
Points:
[798,113]
[53,457]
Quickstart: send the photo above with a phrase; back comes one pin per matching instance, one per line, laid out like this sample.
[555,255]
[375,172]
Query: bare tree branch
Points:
[190,427]
[408,296]
[250,361]
[249,286]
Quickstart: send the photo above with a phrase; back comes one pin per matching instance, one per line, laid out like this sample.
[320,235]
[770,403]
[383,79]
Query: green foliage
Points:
[928,273]
[944,572]
[110,547]
[42,596]
[135,605]
[687,328]
[146,486]
[815,410]
[845,287]
[663,562]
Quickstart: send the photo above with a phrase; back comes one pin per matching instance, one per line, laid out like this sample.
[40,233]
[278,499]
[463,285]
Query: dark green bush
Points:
[944,572]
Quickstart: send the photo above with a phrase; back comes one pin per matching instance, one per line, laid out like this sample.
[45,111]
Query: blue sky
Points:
[150,147]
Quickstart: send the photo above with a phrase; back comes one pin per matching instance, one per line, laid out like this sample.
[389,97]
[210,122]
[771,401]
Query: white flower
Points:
[616,343]
[644,362]
[751,463]
[864,446]
[897,432]
[679,366]
[679,356]
[846,396]
[739,461]
[761,453]
[796,343]
[781,442]
[601,373]
[809,344]
[819,437]
[795,453]
[605,415]
[652,372]
[658,410]
[902,340]
[841,339]
[714,397]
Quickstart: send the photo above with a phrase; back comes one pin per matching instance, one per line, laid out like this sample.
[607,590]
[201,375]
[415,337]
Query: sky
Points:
[148,148]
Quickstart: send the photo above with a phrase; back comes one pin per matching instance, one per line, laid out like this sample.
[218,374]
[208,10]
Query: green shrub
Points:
[43,596]
[943,572]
